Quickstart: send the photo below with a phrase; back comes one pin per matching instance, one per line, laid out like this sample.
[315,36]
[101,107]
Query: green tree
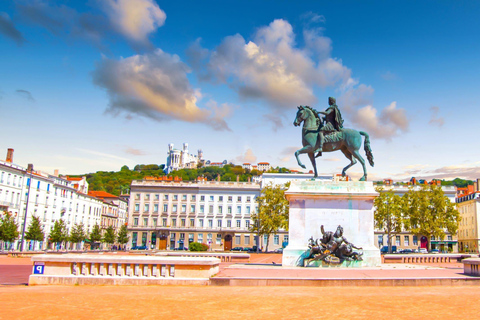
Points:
[77,234]
[8,228]
[95,235]
[388,214]
[109,236]
[59,232]
[272,212]
[429,212]
[35,230]
[122,236]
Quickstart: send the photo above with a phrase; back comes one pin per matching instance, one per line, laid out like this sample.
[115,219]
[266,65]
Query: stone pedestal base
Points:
[329,203]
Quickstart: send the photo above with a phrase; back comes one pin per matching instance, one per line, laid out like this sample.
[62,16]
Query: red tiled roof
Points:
[101,194]
[263,163]
[74,179]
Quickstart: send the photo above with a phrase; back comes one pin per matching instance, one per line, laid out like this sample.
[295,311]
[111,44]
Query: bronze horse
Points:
[346,140]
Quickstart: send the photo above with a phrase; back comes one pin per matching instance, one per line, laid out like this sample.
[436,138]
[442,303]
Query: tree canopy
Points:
[77,234]
[122,236]
[388,214]
[35,230]
[96,234]
[8,227]
[109,236]
[59,232]
[272,212]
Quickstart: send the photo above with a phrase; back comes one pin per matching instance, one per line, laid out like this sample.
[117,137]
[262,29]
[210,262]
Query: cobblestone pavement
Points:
[195,302]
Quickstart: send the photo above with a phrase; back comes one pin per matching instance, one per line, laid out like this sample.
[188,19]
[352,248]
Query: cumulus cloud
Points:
[135,19]
[469,171]
[275,120]
[389,76]
[389,123]
[287,153]
[271,67]
[154,85]
[7,28]
[355,95]
[25,94]
[247,157]
[135,152]
[435,119]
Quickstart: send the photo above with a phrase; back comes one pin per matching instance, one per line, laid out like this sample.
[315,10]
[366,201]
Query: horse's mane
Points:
[319,121]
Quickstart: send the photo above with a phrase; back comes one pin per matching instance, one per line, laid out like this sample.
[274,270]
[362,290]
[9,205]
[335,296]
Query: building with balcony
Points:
[171,214]
[468,204]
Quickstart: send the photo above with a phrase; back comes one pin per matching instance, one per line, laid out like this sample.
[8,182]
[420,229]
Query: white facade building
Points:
[168,214]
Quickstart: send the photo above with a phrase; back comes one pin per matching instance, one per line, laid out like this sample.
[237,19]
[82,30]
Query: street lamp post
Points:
[30,168]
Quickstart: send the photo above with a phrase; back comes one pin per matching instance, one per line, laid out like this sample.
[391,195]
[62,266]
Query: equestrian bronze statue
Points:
[327,134]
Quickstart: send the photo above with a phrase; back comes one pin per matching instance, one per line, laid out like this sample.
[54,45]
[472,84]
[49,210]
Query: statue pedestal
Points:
[330,203]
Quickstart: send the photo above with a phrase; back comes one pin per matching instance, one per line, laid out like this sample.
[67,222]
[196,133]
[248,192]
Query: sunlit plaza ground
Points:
[18,301]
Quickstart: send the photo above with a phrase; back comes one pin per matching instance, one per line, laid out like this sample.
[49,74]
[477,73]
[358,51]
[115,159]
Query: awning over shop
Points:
[444,242]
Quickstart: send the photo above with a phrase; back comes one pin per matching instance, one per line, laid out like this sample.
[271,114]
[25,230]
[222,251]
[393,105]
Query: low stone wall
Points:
[423,258]
[121,270]
[224,257]
[471,266]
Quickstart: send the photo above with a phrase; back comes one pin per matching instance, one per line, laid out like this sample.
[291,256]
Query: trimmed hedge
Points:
[196,246]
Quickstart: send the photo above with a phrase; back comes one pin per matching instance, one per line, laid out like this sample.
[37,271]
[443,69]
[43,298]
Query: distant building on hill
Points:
[181,159]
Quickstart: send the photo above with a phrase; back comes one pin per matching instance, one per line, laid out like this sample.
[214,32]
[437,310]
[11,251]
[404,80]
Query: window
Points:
[247,209]
[247,224]
[200,237]
[219,223]
[285,239]
[147,197]
[202,198]
[219,238]
[165,197]
[220,198]
[276,239]
[174,208]
[210,209]
[202,208]
[415,241]
[237,239]
[210,223]
[154,222]
[192,222]
[193,198]
[175,197]
[406,241]
[165,207]
[239,199]
[134,238]
[135,222]
[174,222]
[145,221]
[137,196]
[433,238]
[182,235]
[229,210]
[265,238]
[380,240]
[157,197]
[449,238]
[190,237]
[230,198]
[155,207]
[249,199]
[147,207]
[229,223]
[184,208]
[209,238]
[164,222]
[192,208]
[184,197]
[239,223]
[247,240]
[200,223]
[182,221]
[239,209]
[211,198]
[137,207]
[220,209]
[397,240]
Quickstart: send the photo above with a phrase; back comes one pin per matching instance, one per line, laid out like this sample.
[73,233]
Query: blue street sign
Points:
[38,269]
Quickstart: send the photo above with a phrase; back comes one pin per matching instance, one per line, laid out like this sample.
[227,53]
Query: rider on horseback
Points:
[333,122]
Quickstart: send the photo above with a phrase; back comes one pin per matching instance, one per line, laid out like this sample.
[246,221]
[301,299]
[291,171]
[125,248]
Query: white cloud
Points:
[135,19]
[436,120]
[155,85]
[248,157]
[388,124]
[271,67]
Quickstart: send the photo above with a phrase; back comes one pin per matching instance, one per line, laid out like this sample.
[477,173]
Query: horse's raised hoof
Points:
[303,166]
[364,178]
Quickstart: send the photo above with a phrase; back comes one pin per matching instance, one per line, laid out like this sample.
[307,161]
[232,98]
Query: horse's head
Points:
[301,116]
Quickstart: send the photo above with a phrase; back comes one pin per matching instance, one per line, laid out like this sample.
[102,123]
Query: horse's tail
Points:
[367,148]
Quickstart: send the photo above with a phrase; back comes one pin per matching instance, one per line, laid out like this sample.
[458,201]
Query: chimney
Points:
[55,172]
[9,155]
[30,167]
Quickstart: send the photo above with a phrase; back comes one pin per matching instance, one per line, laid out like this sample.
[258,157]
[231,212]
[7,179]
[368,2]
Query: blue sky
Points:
[93,85]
